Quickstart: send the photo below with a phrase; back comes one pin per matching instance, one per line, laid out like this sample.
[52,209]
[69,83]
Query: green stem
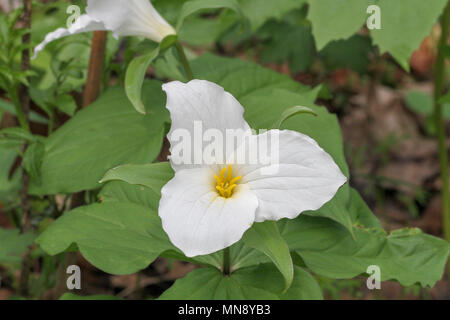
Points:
[184,60]
[226,261]
[18,107]
[440,125]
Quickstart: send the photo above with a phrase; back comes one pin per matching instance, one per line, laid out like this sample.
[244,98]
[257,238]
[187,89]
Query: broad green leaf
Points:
[352,53]
[144,183]
[209,284]
[406,255]
[336,19]
[71,296]
[304,287]
[292,112]
[32,160]
[193,6]
[243,79]
[198,29]
[106,134]
[360,213]
[134,78]
[260,11]
[336,209]
[143,187]
[119,191]
[152,175]
[13,245]
[256,283]
[241,256]
[288,43]
[116,237]
[266,238]
[402,29]
[201,31]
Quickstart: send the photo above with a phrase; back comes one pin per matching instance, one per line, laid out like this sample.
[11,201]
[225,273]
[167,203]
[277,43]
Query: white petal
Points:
[84,23]
[197,220]
[122,17]
[203,103]
[303,178]
[130,18]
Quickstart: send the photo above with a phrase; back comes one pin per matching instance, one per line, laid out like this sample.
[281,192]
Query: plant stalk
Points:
[184,61]
[439,71]
[96,65]
[226,261]
[21,117]
[23,107]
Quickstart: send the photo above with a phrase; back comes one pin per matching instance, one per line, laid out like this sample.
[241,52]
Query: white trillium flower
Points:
[122,17]
[206,208]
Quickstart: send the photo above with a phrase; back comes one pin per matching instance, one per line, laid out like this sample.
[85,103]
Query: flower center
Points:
[226,183]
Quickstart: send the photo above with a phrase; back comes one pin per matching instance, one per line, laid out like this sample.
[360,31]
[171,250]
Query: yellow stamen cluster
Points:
[226,184]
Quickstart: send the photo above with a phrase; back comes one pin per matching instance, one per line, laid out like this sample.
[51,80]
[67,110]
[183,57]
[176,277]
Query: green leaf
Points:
[445,98]
[116,237]
[18,133]
[106,134]
[256,283]
[119,191]
[406,255]
[134,78]
[260,11]
[360,213]
[193,6]
[266,238]
[201,31]
[304,287]
[71,296]
[9,188]
[419,102]
[292,112]
[402,30]
[152,175]
[288,43]
[13,245]
[34,117]
[422,103]
[32,160]
[336,209]
[352,53]
[336,19]
[244,79]
[66,103]
[143,187]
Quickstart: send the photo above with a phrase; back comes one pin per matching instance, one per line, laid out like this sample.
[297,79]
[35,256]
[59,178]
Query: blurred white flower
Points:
[122,17]
[208,207]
